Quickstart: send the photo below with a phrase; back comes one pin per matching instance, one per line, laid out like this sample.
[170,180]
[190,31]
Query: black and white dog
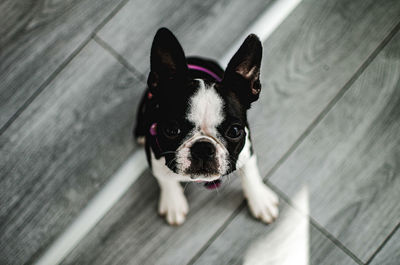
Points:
[193,121]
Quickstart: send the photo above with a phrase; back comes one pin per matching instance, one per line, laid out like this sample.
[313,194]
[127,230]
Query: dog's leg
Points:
[173,203]
[262,201]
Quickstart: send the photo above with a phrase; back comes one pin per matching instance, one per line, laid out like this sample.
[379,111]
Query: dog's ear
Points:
[167,59]
[242,74]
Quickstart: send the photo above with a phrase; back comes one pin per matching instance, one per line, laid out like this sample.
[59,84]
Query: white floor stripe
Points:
[96,209]
[264,25]
[136,164]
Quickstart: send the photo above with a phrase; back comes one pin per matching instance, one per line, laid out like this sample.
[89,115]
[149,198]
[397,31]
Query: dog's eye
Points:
[171,130]
[234,132]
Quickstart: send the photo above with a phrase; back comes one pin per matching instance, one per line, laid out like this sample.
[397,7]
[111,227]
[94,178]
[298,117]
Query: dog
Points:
[192,120]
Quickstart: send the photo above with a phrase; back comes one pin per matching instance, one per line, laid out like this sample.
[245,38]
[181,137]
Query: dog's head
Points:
[202,124]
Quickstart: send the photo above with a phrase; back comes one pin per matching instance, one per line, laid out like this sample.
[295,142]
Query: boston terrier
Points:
[193,122]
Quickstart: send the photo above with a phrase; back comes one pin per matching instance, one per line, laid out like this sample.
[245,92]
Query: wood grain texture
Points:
[62,149]
[307,61]
[207,28]
[350,161]
[290,240]
[36,37]
[390,254]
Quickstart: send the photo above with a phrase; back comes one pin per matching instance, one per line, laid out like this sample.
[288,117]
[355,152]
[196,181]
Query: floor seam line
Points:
[315,224]
[113,12]
[42,87]
[108,48]
[381,246]
[335,241]
[60,68]
[220,230]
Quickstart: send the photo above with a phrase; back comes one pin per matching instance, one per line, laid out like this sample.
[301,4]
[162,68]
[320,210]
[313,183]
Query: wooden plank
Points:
[350,161]
[36,37]
[62,149]
[206,28]
[302,58]
[290,240]
[390,254]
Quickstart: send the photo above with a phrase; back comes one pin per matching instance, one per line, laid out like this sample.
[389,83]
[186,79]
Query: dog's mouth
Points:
[211,184]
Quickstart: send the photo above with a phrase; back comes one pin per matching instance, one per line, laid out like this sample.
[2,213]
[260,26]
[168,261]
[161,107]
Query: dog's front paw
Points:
[263,204]
[174,206]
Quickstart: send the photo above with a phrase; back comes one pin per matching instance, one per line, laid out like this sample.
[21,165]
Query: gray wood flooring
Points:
[307,62]
[326,127]
[350,161]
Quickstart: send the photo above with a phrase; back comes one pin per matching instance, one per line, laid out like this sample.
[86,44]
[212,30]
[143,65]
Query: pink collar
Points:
[205,70]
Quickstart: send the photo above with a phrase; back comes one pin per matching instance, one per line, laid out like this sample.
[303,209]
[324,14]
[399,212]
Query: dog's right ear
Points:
[167,60]
[242,74]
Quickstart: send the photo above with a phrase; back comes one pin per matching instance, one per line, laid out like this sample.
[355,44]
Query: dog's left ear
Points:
[167,60]
[242,74]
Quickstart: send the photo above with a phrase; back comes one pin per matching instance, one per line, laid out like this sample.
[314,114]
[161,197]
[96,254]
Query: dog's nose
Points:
[202,150]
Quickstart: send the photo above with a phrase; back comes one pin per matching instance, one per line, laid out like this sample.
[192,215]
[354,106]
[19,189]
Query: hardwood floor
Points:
[327,120]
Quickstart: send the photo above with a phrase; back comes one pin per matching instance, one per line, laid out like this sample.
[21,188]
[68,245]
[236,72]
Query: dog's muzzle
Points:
[203,159]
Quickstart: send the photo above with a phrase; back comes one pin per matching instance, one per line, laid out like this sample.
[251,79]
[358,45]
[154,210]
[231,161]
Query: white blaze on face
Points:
[206,113]
[205,109]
